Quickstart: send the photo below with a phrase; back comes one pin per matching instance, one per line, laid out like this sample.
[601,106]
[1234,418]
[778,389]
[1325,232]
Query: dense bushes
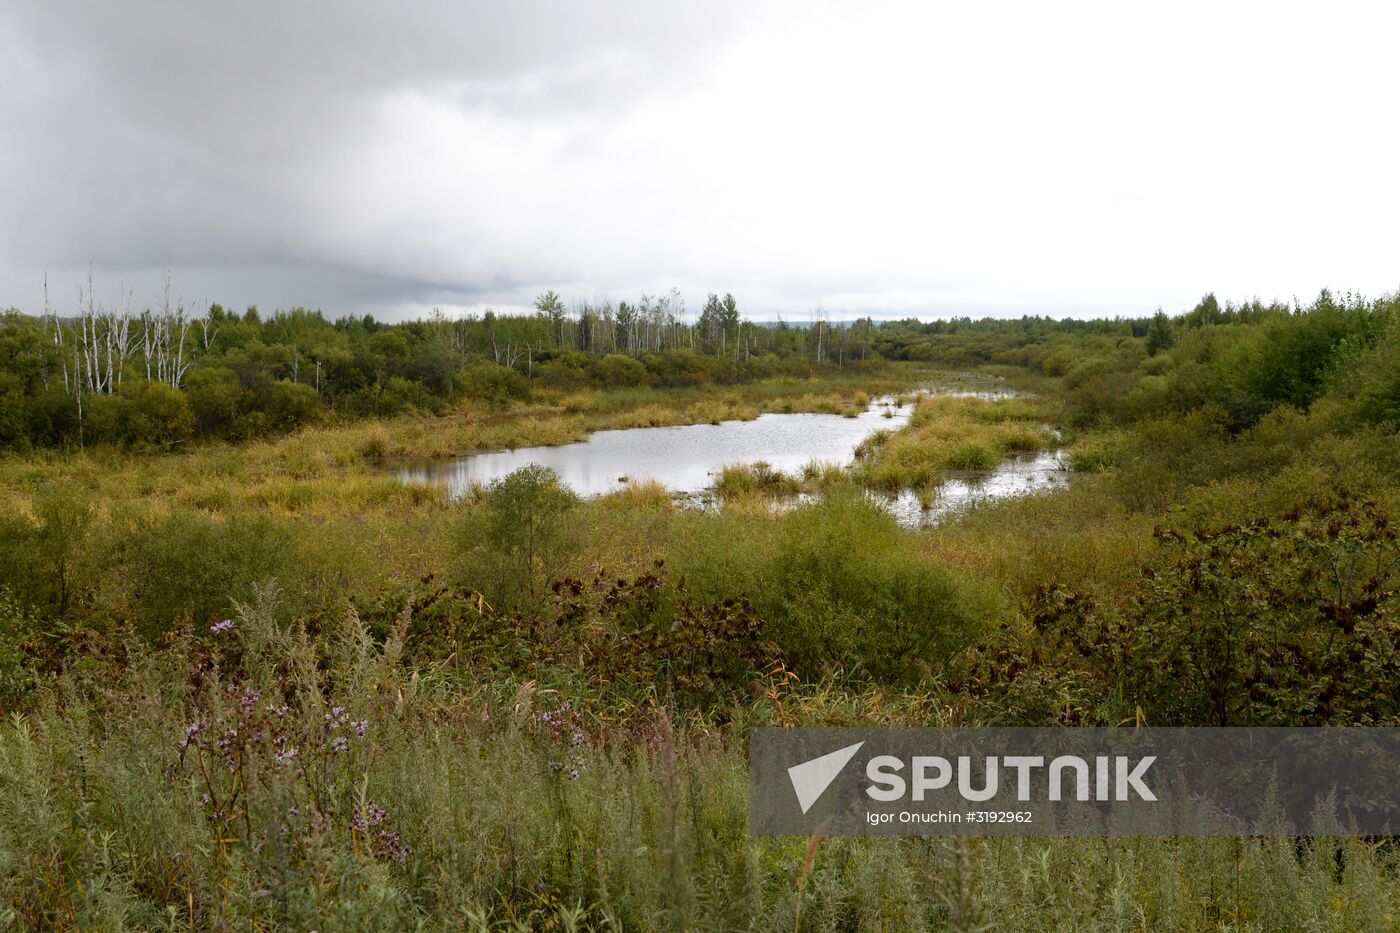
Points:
[48,558]
[490,383]
[1243,361]
[67,566]
[837,586]
[1289,620]
[833,586]
[1365,375]
[843,590]
[191,565]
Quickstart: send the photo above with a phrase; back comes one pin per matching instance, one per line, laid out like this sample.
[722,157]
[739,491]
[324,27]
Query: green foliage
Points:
[157,414]
[49,559]
[551,307]
[18,629]
[250,377]
[843,590]
[1206,312]
[1365,375]
[487,382]
[217,401]
[1289,621]
[616,370]
[516,541]
[1159,333]
[1284,360]
[195,566]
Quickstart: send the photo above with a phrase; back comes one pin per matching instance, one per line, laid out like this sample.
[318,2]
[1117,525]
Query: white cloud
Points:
[872,157]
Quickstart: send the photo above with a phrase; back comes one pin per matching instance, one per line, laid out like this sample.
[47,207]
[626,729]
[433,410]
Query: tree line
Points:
[163,373]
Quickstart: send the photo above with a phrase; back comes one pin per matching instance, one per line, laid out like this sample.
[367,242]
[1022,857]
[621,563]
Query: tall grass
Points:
[494,816]
[748,479]
[953,433]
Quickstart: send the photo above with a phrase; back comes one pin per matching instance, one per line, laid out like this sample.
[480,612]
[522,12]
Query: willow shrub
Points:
[514,543]
[190,564]
[844,589]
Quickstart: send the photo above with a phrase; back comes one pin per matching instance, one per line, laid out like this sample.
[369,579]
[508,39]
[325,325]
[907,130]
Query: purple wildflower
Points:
[191,730]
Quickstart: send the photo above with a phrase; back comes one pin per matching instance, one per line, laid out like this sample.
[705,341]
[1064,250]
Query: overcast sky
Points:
[868,157]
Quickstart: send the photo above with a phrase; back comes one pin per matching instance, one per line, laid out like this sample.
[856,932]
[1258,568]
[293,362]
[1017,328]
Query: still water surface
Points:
[684,458]
[687,459]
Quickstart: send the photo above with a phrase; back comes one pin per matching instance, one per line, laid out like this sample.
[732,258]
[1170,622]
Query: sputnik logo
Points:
[811,778]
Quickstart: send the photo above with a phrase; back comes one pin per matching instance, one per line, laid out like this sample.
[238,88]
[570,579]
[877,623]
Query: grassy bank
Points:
[952,433]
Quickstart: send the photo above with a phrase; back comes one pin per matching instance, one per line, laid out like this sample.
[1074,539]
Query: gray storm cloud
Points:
[879,157]
[214,138]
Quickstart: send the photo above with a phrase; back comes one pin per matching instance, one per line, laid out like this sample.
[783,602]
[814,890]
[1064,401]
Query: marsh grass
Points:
[736,480]
[641,493]
[823,475]
[953,433]
[739,482]
[1101,451]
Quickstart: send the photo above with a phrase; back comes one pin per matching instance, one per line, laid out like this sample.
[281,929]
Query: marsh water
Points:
[687,459]
[684,458]
[1016,476]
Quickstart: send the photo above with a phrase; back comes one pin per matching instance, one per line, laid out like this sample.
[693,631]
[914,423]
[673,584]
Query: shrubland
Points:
[264,684]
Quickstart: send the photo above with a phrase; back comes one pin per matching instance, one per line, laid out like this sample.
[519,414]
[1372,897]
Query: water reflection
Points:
[684,458]
[1018,476]
[687,458]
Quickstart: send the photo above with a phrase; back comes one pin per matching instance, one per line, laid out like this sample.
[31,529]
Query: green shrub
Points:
[49,560]
[157,414]
[196,566]
[17,629]
[615,370]
[488,382]
[216,400]
[843,590]
[517,539]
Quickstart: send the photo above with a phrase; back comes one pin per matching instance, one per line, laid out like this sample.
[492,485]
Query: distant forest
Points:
[159,376]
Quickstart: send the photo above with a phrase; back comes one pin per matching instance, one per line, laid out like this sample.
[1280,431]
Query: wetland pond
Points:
[686,459]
